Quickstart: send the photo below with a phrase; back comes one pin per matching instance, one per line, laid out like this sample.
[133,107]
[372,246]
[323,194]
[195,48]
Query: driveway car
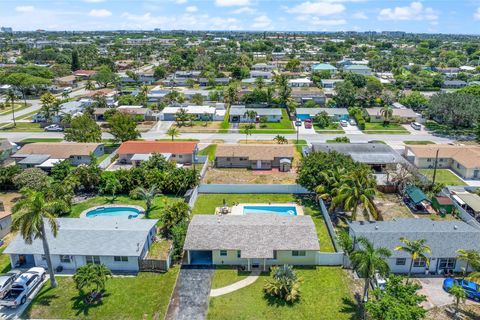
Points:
[6,282]
[22,287]
[472,290]
[53,127]
[344,123]
[352,122]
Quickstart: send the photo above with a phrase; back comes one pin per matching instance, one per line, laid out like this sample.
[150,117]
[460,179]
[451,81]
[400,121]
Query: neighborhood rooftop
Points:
[57,150]
[371,153]
[145,147]
[256,235]
[255,151]
[468,156]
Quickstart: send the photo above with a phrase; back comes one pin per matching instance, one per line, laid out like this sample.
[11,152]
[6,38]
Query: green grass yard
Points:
[209,151]
[17,107]
[145,296]
[379,128]
[284,126]
[324,294]
[32,140]
[419,142]
[444,176]
[332,128]
[21,127]
[226,275]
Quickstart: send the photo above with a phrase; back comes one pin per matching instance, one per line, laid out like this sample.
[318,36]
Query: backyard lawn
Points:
[158,204]
[145,296]
[324,294]
[206,204]
[379,128]
[443,176]
[209,151]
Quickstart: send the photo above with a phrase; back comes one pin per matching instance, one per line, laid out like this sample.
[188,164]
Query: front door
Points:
[259,164]
[476,174]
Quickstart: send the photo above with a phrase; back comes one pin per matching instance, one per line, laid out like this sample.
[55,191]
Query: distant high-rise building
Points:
[7,29]
[157,30]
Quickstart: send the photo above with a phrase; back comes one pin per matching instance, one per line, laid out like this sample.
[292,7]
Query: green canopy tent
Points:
[415,194]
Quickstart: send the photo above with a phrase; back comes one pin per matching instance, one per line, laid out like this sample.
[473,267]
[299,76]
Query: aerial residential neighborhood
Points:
[240,159]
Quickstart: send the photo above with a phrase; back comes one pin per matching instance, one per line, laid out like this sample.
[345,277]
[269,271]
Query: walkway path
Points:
[236,286]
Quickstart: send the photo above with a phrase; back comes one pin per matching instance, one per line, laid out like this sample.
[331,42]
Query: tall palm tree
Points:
[32,211]
[280,139]
[65,95]
[148,195]
[248,131]
[417,250]
[11,96]
[93,276]
[89,85]
[368,260]
[251,115]
[173,132]
[386,112]
[144,95]
[471,257]
[332,179]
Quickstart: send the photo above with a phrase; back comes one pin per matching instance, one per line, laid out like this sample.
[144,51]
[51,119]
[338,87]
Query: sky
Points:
[427,16]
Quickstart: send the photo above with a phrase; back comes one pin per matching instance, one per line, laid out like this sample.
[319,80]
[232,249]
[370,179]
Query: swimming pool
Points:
[280,210]
[114,211]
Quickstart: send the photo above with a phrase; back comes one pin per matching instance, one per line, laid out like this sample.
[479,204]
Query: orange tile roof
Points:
[144,147]
[468,156]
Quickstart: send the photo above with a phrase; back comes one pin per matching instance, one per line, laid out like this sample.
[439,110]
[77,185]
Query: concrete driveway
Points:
[7,313]
[436,296]
[349,129]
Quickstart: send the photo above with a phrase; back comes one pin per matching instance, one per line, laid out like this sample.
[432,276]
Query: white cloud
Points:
[316,21]
[24,8]
[231,3]
[318,8]
[99,13]
[476,15]
[191,9]
[180,1]
[243,10]
[261,22]
[360,15]
[414,11]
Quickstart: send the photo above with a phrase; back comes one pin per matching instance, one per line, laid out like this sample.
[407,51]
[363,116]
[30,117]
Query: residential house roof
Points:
[403,113]
[470,199]
[255,151]
[256,235]
[323,66]
[370,153]
[314,111]
[468,156]
[260,111]
[69,78]
[145,147]
[57,150]
[87,73]
[102,236]
[356,67]
[443,237]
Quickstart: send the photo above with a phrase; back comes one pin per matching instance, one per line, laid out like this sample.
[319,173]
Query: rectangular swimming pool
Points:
[280,210]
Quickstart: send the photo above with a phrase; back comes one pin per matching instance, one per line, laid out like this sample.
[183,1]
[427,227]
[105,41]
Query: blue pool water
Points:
[113,212]
[280,210]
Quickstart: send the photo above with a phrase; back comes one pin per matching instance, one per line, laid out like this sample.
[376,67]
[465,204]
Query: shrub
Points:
[32,178]
[284,285]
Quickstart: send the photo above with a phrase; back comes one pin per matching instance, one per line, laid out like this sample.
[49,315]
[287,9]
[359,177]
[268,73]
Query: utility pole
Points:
[435,168]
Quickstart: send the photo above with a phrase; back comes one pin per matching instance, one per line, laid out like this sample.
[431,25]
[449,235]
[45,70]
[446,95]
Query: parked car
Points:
[298,123]
[22,287]
[6,282]
[53,127]
[378,282]
[472,290]
[308,124]
[416,125]
[344,123]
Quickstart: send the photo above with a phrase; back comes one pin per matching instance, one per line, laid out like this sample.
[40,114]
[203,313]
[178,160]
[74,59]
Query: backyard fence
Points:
[107,161]
[329,259]
[253,188]
[193,197]
[330,227]
[153,265]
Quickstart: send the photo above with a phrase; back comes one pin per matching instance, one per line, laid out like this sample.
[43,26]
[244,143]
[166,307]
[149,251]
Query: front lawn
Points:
[33,140]
[324,294]
[226,275]
[21,127]
[145,296]
[380,128]
[158,204]
[334,127]
[284,126]
[419,142]
[444,176]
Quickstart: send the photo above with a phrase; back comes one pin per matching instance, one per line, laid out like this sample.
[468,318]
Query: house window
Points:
[274,254]
[120,259]
[64,259]
[243,159]
[93,259]
[180,156]
[458,165]
[429,159]
[228,159]
[299,253]
[447,263]
[441,159]
[239,253]
[223,253]
[400,261]
[419,262]
[79,157]
[44,258]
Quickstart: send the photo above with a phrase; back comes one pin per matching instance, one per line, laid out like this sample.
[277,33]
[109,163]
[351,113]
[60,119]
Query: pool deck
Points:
[140,215]
[238,209]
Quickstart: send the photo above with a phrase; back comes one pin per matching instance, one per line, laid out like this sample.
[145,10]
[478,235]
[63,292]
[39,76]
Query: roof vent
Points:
[455,227]
[376,227]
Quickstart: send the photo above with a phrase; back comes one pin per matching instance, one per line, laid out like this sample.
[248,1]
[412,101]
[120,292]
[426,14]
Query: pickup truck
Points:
[22,287]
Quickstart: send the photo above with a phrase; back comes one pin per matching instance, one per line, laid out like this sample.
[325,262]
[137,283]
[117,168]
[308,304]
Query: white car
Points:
[379,282]
[6,282]
[352,122]
[22,287]
[53,127]
[344,123]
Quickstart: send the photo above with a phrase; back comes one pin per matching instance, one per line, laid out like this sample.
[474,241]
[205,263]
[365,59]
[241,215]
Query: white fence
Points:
[329,259]
[253,188]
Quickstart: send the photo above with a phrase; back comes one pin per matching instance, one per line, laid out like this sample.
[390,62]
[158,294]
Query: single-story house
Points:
[449,72]
[45,154]
[443,237]
[254,156]
[143,77]
[376,155]
[464,160]
[186,74]
[157,93]
[330,83]
[262,67]
[84,74]
[140,111]
[109,94]
[200,112]
[302,95]
[454,84]
[358,69]
[237,114]
[5,220]
[336,114]
[261,74]
[6,149]
[323,67]
[117,243]
[470,202]
[67,81]
[133,152]
[204,82]
[73,108]
[300,83]
[404,115]
[253,241]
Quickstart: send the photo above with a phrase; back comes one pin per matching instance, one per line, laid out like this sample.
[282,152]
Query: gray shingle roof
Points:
[259,111]
[256,235]
[330,111]
[102,236]
[443,237]
[371,153]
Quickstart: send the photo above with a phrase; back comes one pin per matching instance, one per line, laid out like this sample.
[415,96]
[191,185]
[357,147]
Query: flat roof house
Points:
[358,69]
[254,241]
[133,152]
[443,237]
[237,114]
[254,156]
[336,114]
[404,115]
[45,154]
[200,112]
[117,243]
[464,160]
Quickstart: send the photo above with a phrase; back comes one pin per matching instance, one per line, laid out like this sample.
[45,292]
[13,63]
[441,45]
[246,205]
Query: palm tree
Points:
[231,95]
[248,131]
[280,139]
[471,257]
[251,115]
[458,294]
[89,85]
[31,213]
[65,95]
[260,83]
[386,112]
[173,132]
[148,195]
[144,95]
[11,96]
[285,284]
[368,260]
[93,276]
[417,250]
